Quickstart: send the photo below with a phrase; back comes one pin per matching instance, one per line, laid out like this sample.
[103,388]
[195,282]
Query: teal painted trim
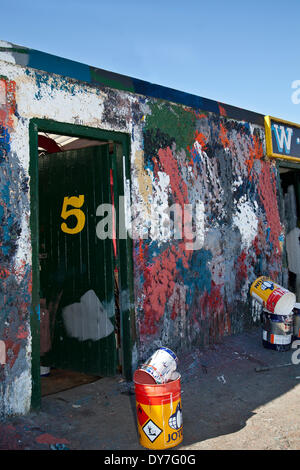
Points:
[35,302]
[288,164]
[102,78]
[125,247]
[53,64]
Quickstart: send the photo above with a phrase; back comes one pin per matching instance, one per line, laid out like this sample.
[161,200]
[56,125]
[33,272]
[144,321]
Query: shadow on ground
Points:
[226,403]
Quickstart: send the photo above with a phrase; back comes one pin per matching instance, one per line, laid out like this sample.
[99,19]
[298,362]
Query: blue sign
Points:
[282,138]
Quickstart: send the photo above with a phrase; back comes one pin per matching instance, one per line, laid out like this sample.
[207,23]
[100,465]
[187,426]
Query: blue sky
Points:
[242,53]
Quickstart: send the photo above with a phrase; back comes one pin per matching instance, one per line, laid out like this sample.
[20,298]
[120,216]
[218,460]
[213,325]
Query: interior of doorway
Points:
[290,186]
[54,380]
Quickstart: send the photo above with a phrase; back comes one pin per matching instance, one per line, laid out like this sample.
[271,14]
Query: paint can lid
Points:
[142,377]
[285,304]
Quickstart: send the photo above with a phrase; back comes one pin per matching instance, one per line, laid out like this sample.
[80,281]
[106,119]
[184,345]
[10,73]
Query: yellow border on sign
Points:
[269,146]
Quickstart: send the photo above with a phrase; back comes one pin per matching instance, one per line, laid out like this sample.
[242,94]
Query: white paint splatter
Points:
[221,379]
[87,319]
[17,395]
[160,220]
[6,55]
[246,220]
[2,353]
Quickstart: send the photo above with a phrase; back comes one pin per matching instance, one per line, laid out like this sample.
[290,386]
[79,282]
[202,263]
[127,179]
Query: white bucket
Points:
[161,365]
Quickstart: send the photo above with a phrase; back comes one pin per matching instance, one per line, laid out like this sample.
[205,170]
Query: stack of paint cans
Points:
[277,316]
[158,401]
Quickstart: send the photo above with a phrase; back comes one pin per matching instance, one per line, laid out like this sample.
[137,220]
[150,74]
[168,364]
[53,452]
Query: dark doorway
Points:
[82,330]
[290,186]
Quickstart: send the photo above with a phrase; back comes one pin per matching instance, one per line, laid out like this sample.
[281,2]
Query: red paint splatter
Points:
[223,136]
[22,334]
[4,273]
[201,139]
[170,166]
[49,439]
[7,112]
[241,269]
[159,276]
[268,195]
[222,110]
[212,308]
[255,153]
[12,351]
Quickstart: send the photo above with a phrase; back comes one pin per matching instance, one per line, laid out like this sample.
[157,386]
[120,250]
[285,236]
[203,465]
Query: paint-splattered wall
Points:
[15,266]
[189,289]
[187,298]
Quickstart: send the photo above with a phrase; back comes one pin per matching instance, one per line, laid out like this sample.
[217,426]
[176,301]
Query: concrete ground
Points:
[226,403]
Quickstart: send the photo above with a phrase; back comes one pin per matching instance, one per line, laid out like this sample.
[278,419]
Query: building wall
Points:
[189,290]
[186,298]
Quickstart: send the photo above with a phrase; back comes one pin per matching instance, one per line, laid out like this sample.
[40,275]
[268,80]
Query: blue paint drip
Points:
[198,277]
[4,143]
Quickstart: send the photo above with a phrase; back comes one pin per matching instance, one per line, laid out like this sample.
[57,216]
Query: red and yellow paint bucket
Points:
[159,414]
[274,298]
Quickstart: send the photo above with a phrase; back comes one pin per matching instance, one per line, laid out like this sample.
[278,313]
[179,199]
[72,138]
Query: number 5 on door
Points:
[74,201]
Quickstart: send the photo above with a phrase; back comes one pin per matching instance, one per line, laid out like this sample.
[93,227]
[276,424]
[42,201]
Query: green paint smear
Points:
[174,121]
[96,77]
[14,49]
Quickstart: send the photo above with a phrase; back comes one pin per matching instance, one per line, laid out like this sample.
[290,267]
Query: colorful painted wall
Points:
[187,298]
[193,266]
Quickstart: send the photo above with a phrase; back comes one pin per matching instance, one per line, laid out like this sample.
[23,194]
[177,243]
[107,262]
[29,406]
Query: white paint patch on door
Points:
[87,319]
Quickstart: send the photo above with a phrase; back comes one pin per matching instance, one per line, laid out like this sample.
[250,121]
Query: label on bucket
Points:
[276,339]
[160,426]
[277,324]
[272,296]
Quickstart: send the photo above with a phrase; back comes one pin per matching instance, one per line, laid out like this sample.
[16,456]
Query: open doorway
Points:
[79,316]
[77,277]
[290,186]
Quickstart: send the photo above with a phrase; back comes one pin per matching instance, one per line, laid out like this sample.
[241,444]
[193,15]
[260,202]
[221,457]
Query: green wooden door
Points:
[76,266]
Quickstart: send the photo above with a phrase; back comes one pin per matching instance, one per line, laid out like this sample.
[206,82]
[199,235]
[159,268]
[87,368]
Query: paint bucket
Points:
[274,298]
[161,365]
[159,413]
[277,331]
[296,323]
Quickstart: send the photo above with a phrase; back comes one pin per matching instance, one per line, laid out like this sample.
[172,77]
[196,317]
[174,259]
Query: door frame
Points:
[124,260]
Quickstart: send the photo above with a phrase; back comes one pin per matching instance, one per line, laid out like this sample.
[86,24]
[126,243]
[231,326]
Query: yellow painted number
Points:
[74,201]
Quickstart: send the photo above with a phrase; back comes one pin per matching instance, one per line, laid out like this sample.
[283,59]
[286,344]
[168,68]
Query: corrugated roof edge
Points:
[76,70]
